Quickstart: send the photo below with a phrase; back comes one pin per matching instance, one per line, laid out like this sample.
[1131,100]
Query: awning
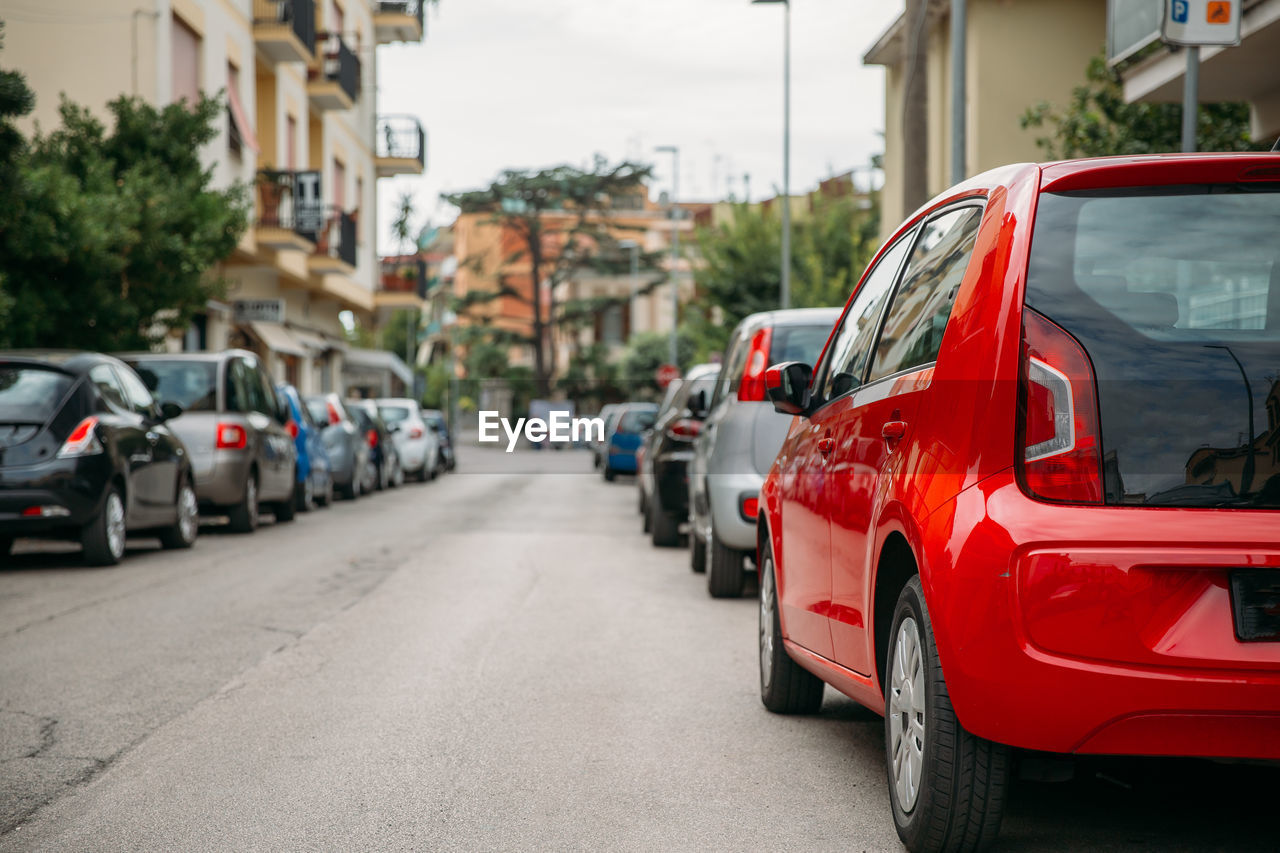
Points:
[241,119]
[312,341]
[277,338]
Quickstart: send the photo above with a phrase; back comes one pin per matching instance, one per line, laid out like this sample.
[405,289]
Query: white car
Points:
[416,440]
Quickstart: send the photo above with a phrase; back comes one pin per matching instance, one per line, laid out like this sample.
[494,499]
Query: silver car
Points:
[416,440]
[740,438]
[347,445]
[234,427]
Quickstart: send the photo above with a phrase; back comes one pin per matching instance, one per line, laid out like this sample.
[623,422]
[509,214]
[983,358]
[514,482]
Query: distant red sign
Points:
[667,374]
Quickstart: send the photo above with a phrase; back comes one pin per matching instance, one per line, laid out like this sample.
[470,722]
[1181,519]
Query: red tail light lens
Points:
[372,437]
[83,440]
[685,429]
[750,507]
[752,389]
[232,437]
[292,428]
[334,417]
[1059,435]
[416,432]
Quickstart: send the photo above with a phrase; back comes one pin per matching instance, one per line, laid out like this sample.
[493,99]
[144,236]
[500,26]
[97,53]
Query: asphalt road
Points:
[493,661]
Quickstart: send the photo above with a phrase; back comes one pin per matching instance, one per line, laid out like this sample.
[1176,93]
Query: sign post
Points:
[1195,24]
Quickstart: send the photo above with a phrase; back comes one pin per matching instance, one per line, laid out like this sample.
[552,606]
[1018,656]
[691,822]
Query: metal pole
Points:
[959,91]
[786,157]
[675,256]
[1190,99]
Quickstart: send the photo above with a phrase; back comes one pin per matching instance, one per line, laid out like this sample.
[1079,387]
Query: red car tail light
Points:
[232,437]
[749,506]
[1059,436]
[752,389]
[292,428]
[685,429]
[372,437]
[416,432]
[334,417]
[83,440]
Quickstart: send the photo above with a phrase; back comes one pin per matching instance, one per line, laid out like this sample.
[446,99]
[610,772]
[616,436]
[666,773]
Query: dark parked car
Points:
[233,424]
[668,449]
[315,479]
[85,453]
[346,443]
[448,459]
[384,471]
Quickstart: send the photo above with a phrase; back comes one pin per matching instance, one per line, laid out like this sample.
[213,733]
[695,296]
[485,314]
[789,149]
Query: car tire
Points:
[725,575]
[103,537]
[244,515]
[609,474]
[642,504]
[351,490]
[666,529]
[305,496]
[785,686]
[325,498]
[186,527]
[697,554]
[947,787]
[287,509]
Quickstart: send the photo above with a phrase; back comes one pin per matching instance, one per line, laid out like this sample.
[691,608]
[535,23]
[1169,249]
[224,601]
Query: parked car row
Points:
[94,447]
[1004,498]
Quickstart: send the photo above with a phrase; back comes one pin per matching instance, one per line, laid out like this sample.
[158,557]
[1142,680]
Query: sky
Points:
[504,84]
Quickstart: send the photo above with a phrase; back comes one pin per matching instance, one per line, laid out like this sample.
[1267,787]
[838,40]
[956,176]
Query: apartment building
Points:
[1017,53]
[301,130]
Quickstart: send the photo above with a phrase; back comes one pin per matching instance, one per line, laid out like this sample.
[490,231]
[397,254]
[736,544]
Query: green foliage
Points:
[591,378]
[400,333]
[1099,123]
[106,237]
[643,356]
[740,275]
[402,225]
[435,394]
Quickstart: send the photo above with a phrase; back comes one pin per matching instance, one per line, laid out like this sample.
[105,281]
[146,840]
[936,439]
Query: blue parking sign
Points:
[1180,11]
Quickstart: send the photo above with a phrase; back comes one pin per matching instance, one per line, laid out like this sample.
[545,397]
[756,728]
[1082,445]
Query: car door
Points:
[278,450]
[167,452]
[129,435]
[804,589]
[705,446]
[874,428]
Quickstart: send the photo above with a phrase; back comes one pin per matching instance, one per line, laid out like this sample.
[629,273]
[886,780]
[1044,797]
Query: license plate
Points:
[1255,598]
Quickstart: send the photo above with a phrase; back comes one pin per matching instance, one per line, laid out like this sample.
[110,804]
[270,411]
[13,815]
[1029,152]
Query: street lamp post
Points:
[786,150]
[634,247]
[674,151]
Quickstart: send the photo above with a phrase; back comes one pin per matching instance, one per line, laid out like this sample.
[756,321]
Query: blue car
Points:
[315,475]
[627,434]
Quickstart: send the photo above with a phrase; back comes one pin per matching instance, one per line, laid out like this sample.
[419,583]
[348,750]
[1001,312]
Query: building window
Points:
[291,143]
[235,133]
[184,45]
[355,211]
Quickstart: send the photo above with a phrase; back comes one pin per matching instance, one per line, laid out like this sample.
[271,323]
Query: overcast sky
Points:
[519,84]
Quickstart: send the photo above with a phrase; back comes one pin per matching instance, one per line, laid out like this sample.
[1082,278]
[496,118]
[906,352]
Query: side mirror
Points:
[698,405]
[788,387]
[169,411]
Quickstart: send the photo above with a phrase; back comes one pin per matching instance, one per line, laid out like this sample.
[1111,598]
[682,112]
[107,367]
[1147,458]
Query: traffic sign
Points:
[666,374]
[1201,23]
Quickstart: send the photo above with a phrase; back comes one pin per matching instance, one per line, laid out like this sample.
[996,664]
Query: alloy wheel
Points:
[251,500]
[188,513]
[768,601]
[907,714]
[115,524]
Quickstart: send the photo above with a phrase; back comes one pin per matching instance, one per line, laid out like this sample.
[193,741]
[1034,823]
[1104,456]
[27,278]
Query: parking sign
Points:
[1202,22]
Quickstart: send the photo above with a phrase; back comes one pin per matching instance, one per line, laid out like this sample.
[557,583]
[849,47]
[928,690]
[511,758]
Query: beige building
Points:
[1155,72]
[300,129]
[1018,53]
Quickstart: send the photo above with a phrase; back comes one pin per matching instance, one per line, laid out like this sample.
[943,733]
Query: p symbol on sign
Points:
[1180,11]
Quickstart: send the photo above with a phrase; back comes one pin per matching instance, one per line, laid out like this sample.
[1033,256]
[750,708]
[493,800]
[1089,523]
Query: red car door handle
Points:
[826,445]
[893,430]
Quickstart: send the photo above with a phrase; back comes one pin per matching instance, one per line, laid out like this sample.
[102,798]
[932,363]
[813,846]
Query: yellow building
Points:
[1017,53]
[301,130]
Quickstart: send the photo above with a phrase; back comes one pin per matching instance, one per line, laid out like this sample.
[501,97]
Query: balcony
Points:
[335,83]
[289,210]
[398,20]
[402,283]
[401,146]
[285,30]
[335,244]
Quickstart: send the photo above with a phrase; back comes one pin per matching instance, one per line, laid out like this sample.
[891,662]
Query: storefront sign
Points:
[258,310]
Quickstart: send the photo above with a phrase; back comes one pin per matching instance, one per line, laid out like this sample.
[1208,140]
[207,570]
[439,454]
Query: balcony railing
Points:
[340,65]
[299,16]
[337,237]
[401,137]
[404,275]
[290,201]
[391,16]
[404,7]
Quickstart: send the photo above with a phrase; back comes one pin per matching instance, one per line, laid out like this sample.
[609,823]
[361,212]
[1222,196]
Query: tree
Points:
[559,218]
[645,354]
[1098,122]
[16,100]
[109,241]
[402,225]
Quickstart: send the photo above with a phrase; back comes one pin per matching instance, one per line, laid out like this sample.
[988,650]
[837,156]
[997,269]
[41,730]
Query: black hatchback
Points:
[85,455]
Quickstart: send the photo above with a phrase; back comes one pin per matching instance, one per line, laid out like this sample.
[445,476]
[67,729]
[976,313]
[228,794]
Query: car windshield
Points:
[190,384]
[637,420]
[319,409]
[395,414]
[1174,292]
[30,394]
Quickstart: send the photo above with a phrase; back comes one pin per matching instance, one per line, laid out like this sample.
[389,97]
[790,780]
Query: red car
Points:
[1030,496]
